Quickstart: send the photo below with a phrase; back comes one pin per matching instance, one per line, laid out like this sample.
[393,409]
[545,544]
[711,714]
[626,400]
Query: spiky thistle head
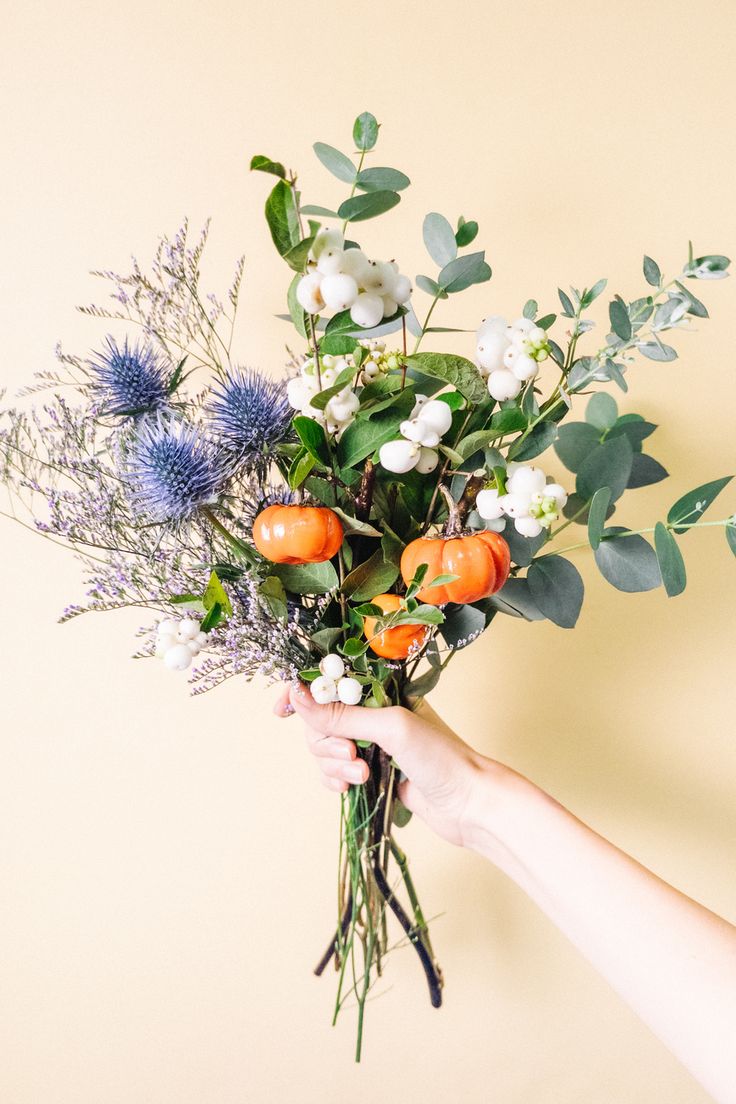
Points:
[250,414]
[174,469]
[129,380]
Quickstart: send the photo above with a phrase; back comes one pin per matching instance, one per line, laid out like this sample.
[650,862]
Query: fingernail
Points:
[288,711]
[343,751]
[354,773]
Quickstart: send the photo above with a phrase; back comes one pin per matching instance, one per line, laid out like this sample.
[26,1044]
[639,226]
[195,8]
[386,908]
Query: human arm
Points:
[671,959]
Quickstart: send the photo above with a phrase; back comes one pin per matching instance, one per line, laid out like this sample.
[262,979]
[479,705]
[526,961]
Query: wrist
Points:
[504,807]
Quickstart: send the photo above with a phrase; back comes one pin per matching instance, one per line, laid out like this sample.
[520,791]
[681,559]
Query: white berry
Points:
[503,385]
[428,460]
[527,526]
[178,658]
[168,627]
[401,289]
[339,291]
[332,667]
[349,691]
[323,690]
[308,293]
[399,456]
[367,310]
[436,414]
[488,504]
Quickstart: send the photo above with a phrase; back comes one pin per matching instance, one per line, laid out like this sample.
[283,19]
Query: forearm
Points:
[670,958]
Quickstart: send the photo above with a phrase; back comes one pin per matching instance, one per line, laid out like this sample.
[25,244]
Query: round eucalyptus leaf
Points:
[627,562]
[557,589]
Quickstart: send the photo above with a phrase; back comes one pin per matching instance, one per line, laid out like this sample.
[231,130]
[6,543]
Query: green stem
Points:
[355,184]
[636,533]
[426,323]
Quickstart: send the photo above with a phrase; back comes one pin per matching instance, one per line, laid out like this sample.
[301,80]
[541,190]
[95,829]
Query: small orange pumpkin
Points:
[297,534]
[481,560]
[393,643]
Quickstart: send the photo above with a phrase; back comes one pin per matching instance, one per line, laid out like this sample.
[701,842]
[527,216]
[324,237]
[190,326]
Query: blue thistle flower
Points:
[129,380]
[251,414]
[174,470]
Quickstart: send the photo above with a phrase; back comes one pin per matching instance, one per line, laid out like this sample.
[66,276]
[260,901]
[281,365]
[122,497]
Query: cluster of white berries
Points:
[340,410]
[530,500]
[509,355]
[341,279]
[378,362]
[179,642]
[420,435]
[333,685]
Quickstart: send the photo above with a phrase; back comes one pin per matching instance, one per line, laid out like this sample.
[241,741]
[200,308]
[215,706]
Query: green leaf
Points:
[374,576]
[312,436]
[326,639]
[211,618]
[546,321]
[695,306]
[296,257]
[354,526]
[301,466]
[514,599]
[215,593]
[691,507]
[382,180]
[508,420]
[190,602]
[608,465]
[426,283]
[259,163]
[339,344]
[538,441]
[711,267]
[656,350]
[365,435]
[453,399]
[421,615]
[451,454]
[418,688]
[731,535]
[462,625]
[523,549]
[439,239]
[367,206]
[574,441]
[567,308]
[530,309]
[645,470]
[634,427]
[321,399]
[466,232]
[601,411]
[597,515]
[475,441]
[628,563]
[320,212]
[620,321]
[282,218]
[591,295]
[463,272]
[298,315]
[652,274]
[273,594]
[353,647]
[365,131]
[557,589]
[671,563]
[316,578]
[455,370]
[335,162]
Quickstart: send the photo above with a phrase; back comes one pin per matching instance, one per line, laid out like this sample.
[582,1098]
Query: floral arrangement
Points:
[359,521]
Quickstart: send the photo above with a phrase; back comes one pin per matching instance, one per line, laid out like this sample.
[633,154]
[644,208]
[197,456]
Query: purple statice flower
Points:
[250,414]
[173,470]
[129,380]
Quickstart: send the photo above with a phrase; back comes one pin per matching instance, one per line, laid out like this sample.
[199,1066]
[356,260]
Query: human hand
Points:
[446,779]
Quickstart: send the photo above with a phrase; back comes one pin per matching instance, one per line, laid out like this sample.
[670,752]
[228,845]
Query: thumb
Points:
[389,728]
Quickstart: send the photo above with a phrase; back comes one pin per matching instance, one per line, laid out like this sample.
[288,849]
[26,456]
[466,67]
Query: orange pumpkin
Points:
[393,643]
[480,560]
[297,534]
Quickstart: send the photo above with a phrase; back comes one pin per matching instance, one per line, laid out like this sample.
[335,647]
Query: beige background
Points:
[167,866]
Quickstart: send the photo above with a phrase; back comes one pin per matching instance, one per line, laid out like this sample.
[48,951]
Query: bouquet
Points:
[357,521]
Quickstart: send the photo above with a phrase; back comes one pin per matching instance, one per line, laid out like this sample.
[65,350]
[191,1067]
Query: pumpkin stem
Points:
[454,524]
[469,495]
